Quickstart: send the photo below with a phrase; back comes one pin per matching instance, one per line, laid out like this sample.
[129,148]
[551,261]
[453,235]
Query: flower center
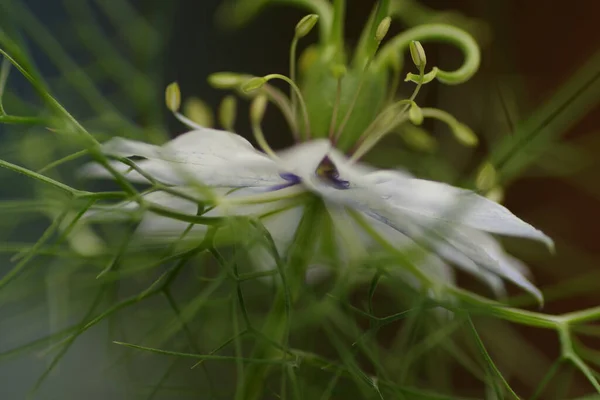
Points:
[329,173]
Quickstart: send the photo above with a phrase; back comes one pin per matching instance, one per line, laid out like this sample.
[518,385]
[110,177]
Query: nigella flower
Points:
[403,211]
[443,225]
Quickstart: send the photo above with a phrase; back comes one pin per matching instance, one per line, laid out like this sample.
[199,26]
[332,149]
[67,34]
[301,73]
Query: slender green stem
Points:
[489,360]
[4,70]
[40,177]
[204,356]
[52,102]
[547,378]
[63,160]
[419,85]
[10,119]
[73,73]
[579,317]
[32,252]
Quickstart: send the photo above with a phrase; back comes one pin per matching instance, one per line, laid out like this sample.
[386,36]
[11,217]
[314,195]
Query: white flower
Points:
[448,224]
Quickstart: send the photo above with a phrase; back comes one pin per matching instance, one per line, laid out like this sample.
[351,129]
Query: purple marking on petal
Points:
[291,181]
[279,187]
[290,177]
[339,183]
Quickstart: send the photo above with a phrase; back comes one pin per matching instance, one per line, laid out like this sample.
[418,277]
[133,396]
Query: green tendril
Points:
[439,32]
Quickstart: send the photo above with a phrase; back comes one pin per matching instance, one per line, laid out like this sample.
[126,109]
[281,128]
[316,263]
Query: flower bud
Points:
[486,177]
[338,71]
[308,58]
[198,111]
[305,25]
[418,138]
[415,114]
[227,112]
[253,84]
[258,108]
[464,134]
[226,80]
[417,54]
[382,29]
[495,194]
[173,97]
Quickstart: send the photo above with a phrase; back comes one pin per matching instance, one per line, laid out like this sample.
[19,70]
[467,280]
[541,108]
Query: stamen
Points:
[379,36]
[417,54]
[173,96]
[281,101]
[338,71]
[231,80]
[369,139]
[227,113]
[198,111]
[257,112]
[371,135]
[461,132]
[173,101]
[303,28]
[296,89]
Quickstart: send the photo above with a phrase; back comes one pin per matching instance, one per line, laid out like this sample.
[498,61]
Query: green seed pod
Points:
[415,114]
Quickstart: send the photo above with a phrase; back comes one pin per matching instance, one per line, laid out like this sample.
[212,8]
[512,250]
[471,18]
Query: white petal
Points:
[424,258]
[206,137]
[211,157]
[160,228]
[157,169]
[508,267]
[461,261]
[348,168]
[421,210]
[433,203]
